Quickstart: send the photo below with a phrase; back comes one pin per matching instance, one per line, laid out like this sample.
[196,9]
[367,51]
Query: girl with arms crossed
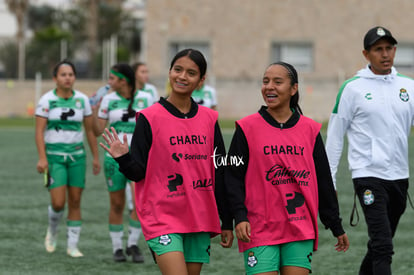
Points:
[119,109]
[178,189]
[274,193]
[60,114]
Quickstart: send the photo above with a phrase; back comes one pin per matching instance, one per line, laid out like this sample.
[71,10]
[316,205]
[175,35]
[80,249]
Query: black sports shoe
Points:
[137,256]
[119,256]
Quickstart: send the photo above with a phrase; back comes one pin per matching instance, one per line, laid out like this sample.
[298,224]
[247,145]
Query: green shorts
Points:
[194,246]
[67,169]
[271,258]
[115,180]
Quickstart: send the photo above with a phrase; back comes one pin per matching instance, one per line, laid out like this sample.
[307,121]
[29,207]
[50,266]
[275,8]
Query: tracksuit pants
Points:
[383,202]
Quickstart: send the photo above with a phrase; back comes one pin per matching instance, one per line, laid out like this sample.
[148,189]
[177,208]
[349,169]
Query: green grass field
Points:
[23,222]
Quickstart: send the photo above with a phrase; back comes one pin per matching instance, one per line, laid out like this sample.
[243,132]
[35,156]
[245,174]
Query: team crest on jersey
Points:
[78,104]
[368,197]
[141,104]
[251,259]
[165,240]
[404,95]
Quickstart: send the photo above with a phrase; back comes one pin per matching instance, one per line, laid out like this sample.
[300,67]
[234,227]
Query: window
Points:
[300,55]
[404,57]
[203,47]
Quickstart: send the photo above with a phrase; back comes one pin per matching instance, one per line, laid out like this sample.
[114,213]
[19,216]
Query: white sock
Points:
[116,238]
[54,219]
[134,234]
[73,236]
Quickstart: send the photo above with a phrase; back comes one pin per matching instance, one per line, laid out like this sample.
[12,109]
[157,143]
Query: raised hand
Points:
[115,147]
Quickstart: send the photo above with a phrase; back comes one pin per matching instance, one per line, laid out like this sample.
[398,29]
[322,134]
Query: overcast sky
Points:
[8,21]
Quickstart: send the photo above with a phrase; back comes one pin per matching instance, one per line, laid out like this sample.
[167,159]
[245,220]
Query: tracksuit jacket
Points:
[376,112]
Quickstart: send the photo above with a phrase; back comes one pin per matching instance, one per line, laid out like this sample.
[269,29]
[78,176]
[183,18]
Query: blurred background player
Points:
[205,95]
[119,109]
[141,84]
[60,114]
[142,78]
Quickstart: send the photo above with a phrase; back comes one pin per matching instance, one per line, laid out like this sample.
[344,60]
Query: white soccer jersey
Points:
[206,96]
[114,108]
[376,112]
[64,131]
[150,89]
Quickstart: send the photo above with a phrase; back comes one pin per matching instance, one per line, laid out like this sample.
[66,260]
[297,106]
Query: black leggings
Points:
[383,202]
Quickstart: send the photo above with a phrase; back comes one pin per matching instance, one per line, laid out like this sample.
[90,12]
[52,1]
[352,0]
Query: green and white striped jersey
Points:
[150,89]
[114,108]
[64,132]
[206,96]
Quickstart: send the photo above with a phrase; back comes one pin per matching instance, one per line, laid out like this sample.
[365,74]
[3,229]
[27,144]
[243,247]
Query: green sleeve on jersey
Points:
[68,125]
[338,97]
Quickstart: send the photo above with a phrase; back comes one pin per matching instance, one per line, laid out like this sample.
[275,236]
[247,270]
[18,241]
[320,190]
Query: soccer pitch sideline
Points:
[23,222]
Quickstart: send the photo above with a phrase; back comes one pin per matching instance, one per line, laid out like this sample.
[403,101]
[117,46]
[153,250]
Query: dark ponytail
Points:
[293,75]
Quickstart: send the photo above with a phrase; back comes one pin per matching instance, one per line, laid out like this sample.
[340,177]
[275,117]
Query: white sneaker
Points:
[50,241]
[74,252]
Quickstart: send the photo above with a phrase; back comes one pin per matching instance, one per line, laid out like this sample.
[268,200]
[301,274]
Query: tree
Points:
[44,50]
[8,56]
[75,27]
[19,9]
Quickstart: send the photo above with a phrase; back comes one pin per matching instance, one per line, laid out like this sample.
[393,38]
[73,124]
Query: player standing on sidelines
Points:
[119,109]
[280,182]
[60,114]
[375,109]
[178,189]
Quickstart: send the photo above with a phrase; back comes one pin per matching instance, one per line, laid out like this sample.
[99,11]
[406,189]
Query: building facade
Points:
[322,38]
